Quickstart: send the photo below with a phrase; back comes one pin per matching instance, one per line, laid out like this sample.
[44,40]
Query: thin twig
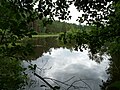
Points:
[73,85]
[64,83]
[69,79]
[86,84]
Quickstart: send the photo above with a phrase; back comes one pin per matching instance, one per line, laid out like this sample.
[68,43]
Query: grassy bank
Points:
[46,35]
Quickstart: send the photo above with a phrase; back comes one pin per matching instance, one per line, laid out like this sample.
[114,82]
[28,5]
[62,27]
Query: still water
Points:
[68,66]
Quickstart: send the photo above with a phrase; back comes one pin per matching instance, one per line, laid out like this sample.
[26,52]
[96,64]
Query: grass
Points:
[46,35]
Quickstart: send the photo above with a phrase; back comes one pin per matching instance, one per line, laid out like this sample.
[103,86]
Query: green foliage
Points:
[56,27]
[85,39]
[116,84]
[14,26]
[14,23]
[11,77]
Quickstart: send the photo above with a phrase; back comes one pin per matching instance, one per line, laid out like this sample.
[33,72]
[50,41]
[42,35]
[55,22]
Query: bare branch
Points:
[65,83]
[44,81]
[73,85]
[86,84]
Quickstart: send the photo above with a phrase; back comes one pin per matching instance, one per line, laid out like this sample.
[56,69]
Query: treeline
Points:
[57,27]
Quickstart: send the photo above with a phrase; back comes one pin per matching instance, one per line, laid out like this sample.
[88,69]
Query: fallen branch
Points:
[44,81]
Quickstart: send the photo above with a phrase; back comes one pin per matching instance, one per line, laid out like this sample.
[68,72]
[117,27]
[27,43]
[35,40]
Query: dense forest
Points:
[103,37]
[55,27]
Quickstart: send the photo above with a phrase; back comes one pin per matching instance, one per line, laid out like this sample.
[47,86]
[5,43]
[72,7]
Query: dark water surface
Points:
[61,64]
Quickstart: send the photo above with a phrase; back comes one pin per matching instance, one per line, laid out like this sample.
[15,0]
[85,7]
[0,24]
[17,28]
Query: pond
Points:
[69,67]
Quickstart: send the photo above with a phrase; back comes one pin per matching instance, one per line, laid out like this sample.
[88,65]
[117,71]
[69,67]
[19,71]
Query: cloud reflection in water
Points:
[66,64]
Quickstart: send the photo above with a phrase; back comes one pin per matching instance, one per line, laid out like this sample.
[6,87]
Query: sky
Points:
[74,13]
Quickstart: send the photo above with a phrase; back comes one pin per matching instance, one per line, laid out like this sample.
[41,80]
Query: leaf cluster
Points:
[11,77]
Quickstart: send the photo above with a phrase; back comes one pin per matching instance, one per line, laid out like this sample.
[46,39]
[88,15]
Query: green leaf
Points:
[115,84]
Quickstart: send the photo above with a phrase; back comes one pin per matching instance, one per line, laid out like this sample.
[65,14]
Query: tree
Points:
[14,22]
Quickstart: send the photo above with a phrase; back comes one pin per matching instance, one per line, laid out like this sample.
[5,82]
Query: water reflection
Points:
[66,64]
[43,45]
[61,64]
